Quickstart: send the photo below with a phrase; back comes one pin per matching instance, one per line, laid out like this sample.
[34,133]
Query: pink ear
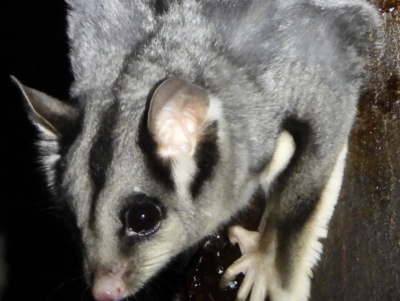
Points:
[176,116]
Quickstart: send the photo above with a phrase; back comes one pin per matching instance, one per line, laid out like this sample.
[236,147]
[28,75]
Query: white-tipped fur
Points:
[48,142]
[309,246]
[49,150]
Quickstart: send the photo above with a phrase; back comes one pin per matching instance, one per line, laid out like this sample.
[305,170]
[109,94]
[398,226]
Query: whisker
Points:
[84,292]
[62,285]
[155,260]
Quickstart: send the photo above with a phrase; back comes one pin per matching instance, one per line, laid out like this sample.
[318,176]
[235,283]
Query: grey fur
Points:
[101,34]
[267,66]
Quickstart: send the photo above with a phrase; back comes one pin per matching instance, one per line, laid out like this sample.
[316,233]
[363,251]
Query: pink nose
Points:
[106,296]
[108,287]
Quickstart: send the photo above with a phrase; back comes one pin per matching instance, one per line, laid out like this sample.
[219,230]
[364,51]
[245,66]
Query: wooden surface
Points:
[362,253]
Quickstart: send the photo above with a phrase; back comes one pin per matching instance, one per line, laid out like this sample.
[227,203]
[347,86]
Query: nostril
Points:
[108,283]
[106,296]
[108,288]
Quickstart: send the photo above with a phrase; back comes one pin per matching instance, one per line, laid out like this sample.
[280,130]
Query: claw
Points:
[239,266]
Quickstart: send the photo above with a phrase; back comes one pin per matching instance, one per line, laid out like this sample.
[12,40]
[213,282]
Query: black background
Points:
[44,262]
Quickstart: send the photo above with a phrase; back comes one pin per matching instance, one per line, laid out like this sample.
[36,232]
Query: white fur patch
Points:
[183,169]
[214,110]
[309,247]
[284,151]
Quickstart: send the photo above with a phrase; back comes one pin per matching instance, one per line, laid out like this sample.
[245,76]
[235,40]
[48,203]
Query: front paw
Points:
[261,277]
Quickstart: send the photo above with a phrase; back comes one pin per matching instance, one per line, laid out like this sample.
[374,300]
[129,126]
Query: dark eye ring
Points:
[142,218]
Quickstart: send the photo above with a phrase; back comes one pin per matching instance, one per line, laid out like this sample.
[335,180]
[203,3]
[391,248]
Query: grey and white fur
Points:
[181,110]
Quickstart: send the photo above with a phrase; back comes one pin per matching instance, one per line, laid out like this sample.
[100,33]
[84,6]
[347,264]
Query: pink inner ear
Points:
[178,125]
[177,113]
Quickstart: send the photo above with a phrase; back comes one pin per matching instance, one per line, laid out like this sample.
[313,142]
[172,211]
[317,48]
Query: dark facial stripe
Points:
[206,156]
[100,156]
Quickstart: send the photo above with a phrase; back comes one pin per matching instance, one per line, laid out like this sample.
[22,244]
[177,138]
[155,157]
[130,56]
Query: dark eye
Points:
[142,219]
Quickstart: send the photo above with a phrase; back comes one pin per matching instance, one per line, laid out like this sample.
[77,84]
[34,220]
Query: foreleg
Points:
[277,261]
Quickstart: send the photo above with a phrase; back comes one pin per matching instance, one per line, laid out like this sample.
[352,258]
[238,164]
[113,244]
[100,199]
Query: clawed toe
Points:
[258,267]
[239,266]
[245,289]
